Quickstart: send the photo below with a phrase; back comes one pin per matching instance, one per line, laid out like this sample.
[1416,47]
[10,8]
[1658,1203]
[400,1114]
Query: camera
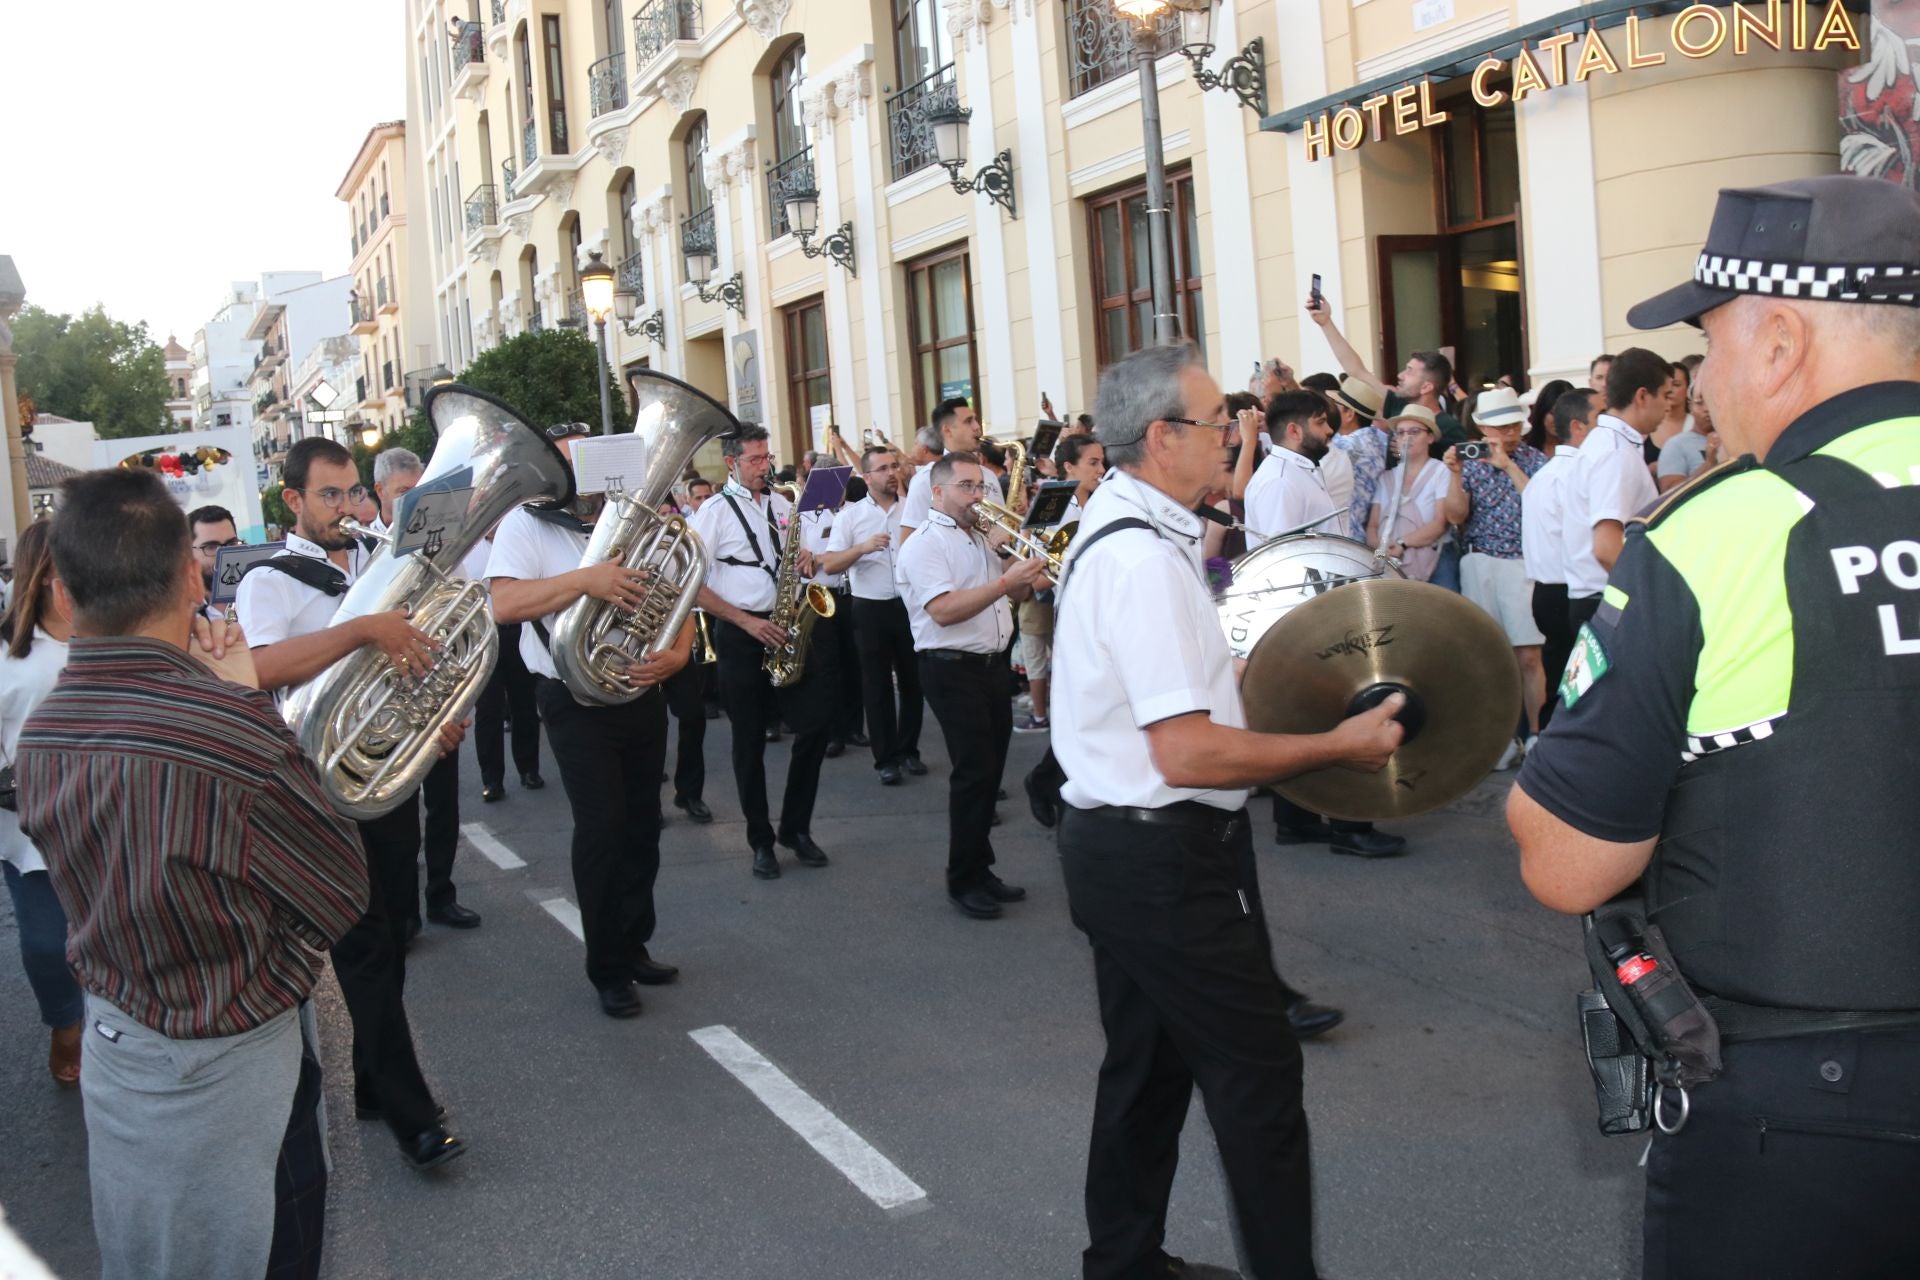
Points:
[1473,451]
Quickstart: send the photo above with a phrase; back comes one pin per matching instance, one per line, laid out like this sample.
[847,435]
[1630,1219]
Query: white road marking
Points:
[877,1177]
[496,853]
[567,914]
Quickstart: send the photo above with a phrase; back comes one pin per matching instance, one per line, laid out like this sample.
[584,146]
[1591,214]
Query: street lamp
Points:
[370,435]
[1244,75]
[596,291]
[731,291]
[803,211]
[440,376]
[1146,15]
[995,181]
[626,305]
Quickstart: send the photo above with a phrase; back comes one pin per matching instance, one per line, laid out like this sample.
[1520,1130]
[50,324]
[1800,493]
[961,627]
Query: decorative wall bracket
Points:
[1244,74]
[837,247]
[732,291]
[654,327]
[994,181]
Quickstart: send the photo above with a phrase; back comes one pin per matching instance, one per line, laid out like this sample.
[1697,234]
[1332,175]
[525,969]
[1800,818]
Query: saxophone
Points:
[796,603]
[1016,452]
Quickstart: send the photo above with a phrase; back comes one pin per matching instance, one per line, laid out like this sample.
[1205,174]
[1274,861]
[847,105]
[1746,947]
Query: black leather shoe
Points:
[773,735]
[996,819]
[858,739]
[913,765]
[1368,844]
[890,775]
[765,865]
[454,916]
[1310,1019]
[977,903]
[374,1111]
[805,851]
[1000,891]
[619,1001]
[1046,810]
[713,712]
[1314,832]
[648,972]
[1181,1269]
[531,782]
[836,747]
[493,791]
[1001,794]
[413,931]
[696,809]
[431,1149]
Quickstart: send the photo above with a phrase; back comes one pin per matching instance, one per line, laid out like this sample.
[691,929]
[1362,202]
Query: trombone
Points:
[1053,545]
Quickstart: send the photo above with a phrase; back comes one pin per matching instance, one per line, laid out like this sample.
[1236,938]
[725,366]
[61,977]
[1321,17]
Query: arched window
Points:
[694,152]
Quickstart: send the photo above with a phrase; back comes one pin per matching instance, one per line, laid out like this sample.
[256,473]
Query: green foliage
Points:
[95,369]
[417,435]
[547,377]
[274,508]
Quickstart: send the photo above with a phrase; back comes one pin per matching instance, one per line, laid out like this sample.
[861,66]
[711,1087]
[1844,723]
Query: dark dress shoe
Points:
[1001,891]
[1368,844]
[1046,809]
[806,852]
[696,809]
[431,1149]
[977,903]
[1001,794]
[619,1001]
[1314,832]
[531,782]
[374,1111]
[996,819]
[773,735]
[713,712]
[493,791]
[1181,1269]
[649,972]
[890,775]
[858,739]
[454,916]
[1310,1019]
[836,747]
[413,931]
[765,865]
[912,764]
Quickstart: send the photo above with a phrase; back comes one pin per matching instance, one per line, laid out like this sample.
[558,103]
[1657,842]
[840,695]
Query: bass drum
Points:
[1281,575]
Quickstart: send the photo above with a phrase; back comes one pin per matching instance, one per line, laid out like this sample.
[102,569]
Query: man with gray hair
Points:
[395,473]
[1156,847]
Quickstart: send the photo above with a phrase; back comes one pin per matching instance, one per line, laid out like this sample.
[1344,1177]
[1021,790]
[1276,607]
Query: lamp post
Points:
[597,292]
[1146,15]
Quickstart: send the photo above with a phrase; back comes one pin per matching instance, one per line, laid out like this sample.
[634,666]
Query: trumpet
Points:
[1053,546]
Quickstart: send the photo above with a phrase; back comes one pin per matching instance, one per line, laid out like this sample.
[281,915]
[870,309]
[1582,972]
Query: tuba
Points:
[594,642]
[373,731]
[796,603]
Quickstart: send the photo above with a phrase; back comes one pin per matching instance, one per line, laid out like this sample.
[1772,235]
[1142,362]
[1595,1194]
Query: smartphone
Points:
[1315,291]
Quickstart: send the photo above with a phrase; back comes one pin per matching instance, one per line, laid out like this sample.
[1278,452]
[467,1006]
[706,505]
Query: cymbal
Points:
[1347,650]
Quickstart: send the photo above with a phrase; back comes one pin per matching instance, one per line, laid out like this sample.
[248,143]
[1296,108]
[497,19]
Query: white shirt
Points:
[872,574]
[274,606]
[1609,481]
[24,682]
[1286,491]
[1336,471]
[1114,676]
[919,499]
[1543,543]
[944,557]
[816,535]
[1419,502]
[529,550]
[746,586]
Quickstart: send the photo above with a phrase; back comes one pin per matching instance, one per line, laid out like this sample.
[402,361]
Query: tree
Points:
[547,377]
[95,369]
[274,508]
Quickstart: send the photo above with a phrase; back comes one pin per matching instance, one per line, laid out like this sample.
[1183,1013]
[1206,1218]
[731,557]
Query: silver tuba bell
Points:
[594,642]
[373,731]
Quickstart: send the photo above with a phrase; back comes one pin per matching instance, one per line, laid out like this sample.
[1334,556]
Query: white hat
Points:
[1499,407]
[1531,395]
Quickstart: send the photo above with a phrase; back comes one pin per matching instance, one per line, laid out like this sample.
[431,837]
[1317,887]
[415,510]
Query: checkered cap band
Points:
[1706,746]
[1895,283]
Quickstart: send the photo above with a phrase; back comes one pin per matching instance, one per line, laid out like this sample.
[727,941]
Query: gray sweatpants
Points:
[182,1140]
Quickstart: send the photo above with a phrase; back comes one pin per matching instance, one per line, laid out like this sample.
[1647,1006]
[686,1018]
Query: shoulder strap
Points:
[560,516]
[318,574]
[1694,487]
[1829,481]
[1080,549]
[759,561]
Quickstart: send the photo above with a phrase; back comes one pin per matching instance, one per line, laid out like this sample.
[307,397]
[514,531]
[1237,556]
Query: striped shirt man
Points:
[201,867]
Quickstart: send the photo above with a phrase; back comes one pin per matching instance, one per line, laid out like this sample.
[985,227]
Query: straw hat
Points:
[1421,414]
[1360,396]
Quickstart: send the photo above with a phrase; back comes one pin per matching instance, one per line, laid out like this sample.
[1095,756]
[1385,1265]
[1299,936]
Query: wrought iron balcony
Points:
[380,293]
[631,276]
[1100,42]
[536,323]
[469,46]
[697,235]
[908,113]
[795,173]
[659,23]
[607,85]
[483,207]
[530,143]
[360,311]
[577,317]
[499,13]
[506,179]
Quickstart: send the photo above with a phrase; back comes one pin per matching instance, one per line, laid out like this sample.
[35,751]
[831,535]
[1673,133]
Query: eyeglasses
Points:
[880,471]
[336,498]
[210,548]
[1221,427]
[964,486]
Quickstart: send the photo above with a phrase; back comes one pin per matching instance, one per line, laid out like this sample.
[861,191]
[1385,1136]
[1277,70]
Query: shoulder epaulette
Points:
[1692,488]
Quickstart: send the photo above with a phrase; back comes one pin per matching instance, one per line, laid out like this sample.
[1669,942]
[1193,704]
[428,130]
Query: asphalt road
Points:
[1452,1118]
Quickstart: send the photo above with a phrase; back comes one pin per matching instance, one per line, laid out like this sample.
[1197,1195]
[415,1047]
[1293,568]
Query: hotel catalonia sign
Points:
[1571,57]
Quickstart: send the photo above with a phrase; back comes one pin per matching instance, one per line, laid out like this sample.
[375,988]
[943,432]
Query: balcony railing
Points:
[659,23]
[359,311]
[506,179]
[536,323]
[607,85]
[530,143]
[908,121]
[697,235]
[499,13]
[1100,42]
[632,276]
[795,173]
[387,383]
[483,207]
[577,317]
[469,46]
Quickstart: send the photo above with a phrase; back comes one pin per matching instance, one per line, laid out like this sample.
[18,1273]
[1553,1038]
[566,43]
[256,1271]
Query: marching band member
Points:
[835,633]
[957,594]
[743,531]
[866,540]
[959,430]
[1156,846]
[609,756]
[286,607]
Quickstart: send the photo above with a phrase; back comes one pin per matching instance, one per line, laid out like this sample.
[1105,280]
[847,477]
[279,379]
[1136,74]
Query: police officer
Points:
[1737,735]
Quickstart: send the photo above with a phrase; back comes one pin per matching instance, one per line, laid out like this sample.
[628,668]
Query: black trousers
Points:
[972,698]
[1579,613]
[440,792]
[300,1181]
[1287,814]
[509,694]
[686,692]
[1801,1162]
[752,702]
[1550,615]
[885,640]
[849,711]
[1188,995]
[610,760]
[370,964]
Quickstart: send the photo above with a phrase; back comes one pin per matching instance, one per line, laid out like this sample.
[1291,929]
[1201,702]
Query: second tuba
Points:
[595,642]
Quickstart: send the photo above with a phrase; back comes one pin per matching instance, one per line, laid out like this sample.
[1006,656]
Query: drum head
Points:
[1272,580]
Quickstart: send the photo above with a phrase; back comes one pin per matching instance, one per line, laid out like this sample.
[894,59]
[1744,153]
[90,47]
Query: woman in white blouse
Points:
[1420,523]
[37,631]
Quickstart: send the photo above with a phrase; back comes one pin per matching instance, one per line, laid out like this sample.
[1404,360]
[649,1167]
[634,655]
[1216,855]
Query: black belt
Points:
[961,656]
[1188,815]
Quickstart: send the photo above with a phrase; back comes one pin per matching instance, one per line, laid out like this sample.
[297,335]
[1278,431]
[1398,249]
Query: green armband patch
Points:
[1587,664]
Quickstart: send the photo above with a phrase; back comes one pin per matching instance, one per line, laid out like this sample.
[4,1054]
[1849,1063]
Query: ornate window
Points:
[940,329]
[1122,271]
[1100,42]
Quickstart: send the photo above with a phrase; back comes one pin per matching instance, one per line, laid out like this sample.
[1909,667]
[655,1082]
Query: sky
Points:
[156,152]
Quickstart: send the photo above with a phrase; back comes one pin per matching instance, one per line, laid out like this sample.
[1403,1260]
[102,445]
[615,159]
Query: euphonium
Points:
[373,731]
[796,603]
[1016,452]
[1053,545]
[594,642]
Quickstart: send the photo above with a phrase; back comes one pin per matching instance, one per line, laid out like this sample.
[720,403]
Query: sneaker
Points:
[1509,757]
[1526,748]
[1032,724]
